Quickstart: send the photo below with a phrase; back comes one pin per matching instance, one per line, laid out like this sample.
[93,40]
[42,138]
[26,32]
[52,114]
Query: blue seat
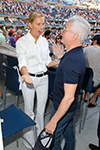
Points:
[14,120]
[12,61]
[11,82]
[87,86]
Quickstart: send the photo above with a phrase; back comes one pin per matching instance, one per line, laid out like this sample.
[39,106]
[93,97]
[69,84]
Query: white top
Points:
[35,56]
[92,55]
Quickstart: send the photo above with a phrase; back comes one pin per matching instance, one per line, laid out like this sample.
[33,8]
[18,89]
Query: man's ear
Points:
[75,36]
[95,42]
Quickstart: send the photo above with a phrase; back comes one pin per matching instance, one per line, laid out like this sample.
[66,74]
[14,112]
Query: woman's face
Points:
[58,39]
[37,26]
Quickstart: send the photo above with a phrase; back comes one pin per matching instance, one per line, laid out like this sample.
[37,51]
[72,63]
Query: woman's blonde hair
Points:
[34,15]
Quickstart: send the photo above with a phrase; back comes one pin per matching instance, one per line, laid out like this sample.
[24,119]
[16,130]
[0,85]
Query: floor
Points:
[87,135]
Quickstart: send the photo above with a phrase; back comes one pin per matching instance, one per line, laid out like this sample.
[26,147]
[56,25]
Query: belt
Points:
[38,75]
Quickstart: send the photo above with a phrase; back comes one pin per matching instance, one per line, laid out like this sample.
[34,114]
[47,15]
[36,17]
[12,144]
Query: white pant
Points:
[41,88]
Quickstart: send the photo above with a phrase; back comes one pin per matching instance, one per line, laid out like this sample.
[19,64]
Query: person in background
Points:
[19,34]
[11,38]
[68,82]
[26,31]
[58,40]
[94,97]
[59,43]
[92,55]
[33,57]
[2,37]
[3,28]
[47,34]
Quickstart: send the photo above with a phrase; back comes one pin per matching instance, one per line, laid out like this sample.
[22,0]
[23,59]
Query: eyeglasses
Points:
[57,38]
[64,29]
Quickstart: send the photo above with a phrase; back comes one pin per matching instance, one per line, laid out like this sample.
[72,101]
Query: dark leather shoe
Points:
[93,147]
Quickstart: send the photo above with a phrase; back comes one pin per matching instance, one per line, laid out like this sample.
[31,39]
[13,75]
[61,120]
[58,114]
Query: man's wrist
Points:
[59,58]
[53,121]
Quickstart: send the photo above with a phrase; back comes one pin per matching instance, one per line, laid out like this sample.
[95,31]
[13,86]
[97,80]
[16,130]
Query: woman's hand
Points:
[27,79]
[58,51]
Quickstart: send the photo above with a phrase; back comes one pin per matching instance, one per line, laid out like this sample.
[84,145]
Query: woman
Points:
[58,40]
[33,57]
[59,44]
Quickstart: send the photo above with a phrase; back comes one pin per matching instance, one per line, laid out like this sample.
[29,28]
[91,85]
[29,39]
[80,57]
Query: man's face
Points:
[67,35]
[49,36]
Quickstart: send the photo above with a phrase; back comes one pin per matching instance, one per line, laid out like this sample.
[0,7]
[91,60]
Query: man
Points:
[68,82]
[47,34]
[92,55]
[19,34]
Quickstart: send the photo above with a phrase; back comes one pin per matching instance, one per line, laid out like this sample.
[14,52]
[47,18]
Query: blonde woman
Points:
[33,57]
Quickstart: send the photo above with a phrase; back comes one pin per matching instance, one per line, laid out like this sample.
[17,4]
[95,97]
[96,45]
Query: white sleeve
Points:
[21,54]
[48,56]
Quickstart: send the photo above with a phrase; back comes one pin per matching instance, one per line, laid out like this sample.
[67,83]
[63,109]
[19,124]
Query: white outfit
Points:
[35,56]
[92,55]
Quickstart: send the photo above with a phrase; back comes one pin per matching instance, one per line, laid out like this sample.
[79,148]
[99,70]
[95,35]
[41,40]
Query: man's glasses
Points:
[64,29]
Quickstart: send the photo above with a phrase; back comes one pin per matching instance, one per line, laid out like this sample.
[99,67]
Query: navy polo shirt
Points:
[71,71]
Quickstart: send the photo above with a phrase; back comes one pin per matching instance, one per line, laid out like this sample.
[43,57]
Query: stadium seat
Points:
[14,120]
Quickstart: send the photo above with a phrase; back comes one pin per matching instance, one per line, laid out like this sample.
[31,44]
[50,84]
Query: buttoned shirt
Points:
[35,56]
[92,55]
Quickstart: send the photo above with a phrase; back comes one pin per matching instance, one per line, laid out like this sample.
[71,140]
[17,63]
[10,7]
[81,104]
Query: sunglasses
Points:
[59,38]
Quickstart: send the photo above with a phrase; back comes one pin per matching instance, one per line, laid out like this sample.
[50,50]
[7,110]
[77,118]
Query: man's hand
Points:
[58,51]
[50,127]
[27,79]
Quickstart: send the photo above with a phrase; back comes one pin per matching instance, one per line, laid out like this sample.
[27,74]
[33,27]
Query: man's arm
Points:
[69,90]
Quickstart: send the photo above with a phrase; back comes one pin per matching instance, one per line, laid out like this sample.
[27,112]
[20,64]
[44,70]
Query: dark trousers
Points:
[65,127]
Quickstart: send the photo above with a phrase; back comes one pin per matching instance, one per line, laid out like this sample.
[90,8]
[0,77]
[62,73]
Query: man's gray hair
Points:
[80,26]
[19,32]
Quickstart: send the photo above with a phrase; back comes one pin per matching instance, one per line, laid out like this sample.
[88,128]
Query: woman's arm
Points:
[25,75]
[53,63]
[21,54]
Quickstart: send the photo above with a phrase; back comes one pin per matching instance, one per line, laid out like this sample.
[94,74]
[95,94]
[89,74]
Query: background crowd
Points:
[59,12]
